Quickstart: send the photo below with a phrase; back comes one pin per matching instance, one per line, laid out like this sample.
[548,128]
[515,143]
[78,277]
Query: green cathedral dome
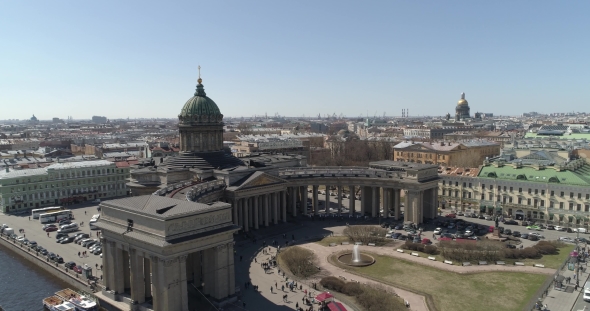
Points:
[200,109]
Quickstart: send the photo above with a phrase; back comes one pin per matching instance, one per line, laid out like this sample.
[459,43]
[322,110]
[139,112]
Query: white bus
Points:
[55,216]
[38,211]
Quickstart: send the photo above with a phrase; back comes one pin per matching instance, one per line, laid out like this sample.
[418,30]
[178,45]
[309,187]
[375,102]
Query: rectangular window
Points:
[552,193]
[587,196]
[561,194]
[542,192]
[571,195]
[509,199]
[444,182]
[551,204]
[579,207]
[470,186]
[519,190]
[491,196]
[528,202]
[536,191]
[519,201]
[464,184]
[483,186]
[586,208]
[579,195]
[511,189]
[542,203]
[560,205]
[456,184]
[491,187]
[444,192]
[571,206]
[529,190]
[504,188]
[482,196]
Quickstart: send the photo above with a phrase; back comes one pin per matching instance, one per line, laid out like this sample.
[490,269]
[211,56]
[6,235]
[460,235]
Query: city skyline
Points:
[125,60]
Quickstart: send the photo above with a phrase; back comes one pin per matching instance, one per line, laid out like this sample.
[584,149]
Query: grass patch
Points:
[482,290]
[552,261]
[332,239]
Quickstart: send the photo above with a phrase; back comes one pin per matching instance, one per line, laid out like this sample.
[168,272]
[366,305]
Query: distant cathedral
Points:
[462,110]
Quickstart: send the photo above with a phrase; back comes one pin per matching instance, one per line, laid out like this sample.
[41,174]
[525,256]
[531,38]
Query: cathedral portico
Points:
[155,246]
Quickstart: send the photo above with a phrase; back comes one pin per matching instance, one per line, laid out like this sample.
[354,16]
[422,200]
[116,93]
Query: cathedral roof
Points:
[200,108]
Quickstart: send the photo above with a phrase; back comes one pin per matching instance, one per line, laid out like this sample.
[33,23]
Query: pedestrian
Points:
[283,288]
[255,260]
[101,277]
[244,305]
[271,290]
[297,305]
[47,234]
[29,218]
[276,286]
[100,267]
[84,212]
[96,266]
[78,254]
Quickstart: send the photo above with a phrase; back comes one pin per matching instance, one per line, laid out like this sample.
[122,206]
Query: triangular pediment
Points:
[260,179]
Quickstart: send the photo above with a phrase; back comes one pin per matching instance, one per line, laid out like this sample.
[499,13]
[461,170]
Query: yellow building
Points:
[465,154]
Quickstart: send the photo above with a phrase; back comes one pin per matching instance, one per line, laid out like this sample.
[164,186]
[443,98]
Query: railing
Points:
[201,189]
[173,187]
[340,172]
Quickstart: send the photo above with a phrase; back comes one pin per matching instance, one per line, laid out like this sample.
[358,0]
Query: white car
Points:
[468,233]
[566,239]
[438,231]
[580,230]
[540,236]
[559,228]
[586,296]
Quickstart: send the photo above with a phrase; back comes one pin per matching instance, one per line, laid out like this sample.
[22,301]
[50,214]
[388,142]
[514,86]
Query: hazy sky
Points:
[140,58]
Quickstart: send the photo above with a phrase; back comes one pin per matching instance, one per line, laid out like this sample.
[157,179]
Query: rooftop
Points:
[578,177]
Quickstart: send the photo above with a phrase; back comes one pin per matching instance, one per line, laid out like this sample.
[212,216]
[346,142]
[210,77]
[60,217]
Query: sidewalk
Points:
[558,300]
[263,298]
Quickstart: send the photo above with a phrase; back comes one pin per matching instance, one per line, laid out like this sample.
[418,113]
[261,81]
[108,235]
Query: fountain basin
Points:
[364,260]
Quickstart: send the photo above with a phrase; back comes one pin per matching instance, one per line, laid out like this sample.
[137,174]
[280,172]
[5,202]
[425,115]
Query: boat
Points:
[55,303]
[81,302]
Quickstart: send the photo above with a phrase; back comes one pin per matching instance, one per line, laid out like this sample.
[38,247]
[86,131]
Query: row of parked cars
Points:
[83,239]
[63,226]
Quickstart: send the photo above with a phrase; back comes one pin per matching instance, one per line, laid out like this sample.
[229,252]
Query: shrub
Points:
[352,289]
[333,283]
[366,234]
[430,249]
[300,261]
[546,248]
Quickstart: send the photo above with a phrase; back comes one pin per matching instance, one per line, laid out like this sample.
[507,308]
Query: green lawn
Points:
[332,239]
[500,291]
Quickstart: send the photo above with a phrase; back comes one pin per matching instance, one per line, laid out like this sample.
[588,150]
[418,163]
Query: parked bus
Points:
[55,216]
[38,211]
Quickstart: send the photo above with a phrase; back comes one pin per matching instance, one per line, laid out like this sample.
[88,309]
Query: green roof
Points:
[200,108]
[579,177]
[563,137]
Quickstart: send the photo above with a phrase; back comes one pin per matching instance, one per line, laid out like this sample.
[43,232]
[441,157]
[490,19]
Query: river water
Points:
[22,284]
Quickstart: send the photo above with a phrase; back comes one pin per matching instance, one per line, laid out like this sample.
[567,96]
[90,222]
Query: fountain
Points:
[356,255]
[356,258]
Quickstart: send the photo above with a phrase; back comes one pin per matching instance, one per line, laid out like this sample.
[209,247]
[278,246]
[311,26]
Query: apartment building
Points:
[466,154]
[61,184]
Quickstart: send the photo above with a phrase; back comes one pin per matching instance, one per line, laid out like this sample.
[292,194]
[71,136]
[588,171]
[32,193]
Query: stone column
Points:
[386,200]
[375,207]
[137,277]
[218,277]
[256,212]
[183,285]
[119,274]
[147,271]
[363,200]
[434,203]
[396,205]
[108,262]
[304,196]
[294,200]
[339,199]
[351,200]
[284,205]
[235,211]
[275,207]
[157,283]
[246,212]
[126,271]
[314,196]
[265,209]
[327,207]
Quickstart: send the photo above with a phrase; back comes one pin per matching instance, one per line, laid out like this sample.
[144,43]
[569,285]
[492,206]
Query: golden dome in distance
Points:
[462,101]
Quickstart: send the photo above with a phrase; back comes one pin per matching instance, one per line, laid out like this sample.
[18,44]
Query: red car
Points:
[426,241]
[77,269]
[50,229]
[451,215]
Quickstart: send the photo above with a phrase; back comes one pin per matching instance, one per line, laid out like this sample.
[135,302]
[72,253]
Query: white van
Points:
[581,230]
[8,231]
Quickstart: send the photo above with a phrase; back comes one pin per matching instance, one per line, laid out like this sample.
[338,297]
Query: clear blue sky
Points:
[140,58]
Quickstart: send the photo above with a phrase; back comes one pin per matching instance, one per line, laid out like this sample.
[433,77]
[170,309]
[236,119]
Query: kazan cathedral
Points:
[203,160]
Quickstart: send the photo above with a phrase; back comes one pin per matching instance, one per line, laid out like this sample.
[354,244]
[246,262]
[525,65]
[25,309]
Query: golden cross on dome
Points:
[199,80]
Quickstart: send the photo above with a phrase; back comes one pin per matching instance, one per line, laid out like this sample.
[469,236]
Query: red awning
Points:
[323,296]
[336,306]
